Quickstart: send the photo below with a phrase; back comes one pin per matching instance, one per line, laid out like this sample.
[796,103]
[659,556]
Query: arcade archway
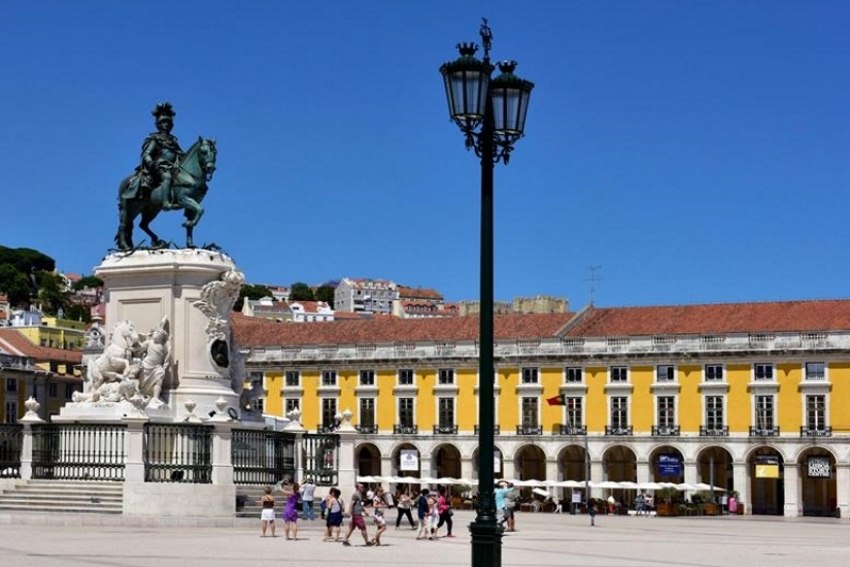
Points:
[818,482]
[767,486]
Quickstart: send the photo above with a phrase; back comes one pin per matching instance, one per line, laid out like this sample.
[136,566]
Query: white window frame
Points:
[611,370]
[412,377]
[823,377]
[573,369]
[529,375]
[764,365]
[669,371]
[705,377]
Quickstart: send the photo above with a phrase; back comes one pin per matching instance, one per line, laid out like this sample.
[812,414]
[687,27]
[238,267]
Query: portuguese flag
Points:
[559,400]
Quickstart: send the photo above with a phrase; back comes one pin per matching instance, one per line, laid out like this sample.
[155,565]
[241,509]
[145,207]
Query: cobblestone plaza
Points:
[36,540]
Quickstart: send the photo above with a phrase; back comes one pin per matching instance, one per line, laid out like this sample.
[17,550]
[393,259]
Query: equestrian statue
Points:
[166,179]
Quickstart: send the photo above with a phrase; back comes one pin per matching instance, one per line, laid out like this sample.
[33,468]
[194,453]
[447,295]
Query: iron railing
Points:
[714,431]
[764,431]
[618,430]
[321,458]
[529,430]
[568,429]
[78,451]
[405,429]
[445,430]
[178,453]
[815,431]
[11,442]
[666,430]
[367,429]
[262,457]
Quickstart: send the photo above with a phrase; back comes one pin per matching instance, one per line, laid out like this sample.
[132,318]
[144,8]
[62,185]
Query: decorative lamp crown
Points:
[163,110]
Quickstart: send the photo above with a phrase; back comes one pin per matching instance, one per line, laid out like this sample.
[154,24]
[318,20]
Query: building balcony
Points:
[445,430]
[405,430]
[614,430]
[666,430]
[764,431]
[367,429]
[496,430]
[326,428]
[714,431]
[816,432]
[529,430]
[567,429]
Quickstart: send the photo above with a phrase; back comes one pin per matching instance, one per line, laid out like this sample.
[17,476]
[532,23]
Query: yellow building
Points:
[750,397]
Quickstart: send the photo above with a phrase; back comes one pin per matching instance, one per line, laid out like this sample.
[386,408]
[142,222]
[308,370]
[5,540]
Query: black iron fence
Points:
[262,457]
[78,451]
[321,458]
[11,441]
[178,453]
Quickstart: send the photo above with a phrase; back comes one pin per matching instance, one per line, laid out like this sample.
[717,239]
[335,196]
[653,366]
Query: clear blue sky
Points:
[696,151]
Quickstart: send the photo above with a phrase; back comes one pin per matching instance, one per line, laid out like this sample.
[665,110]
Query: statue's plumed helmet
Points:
[163,110]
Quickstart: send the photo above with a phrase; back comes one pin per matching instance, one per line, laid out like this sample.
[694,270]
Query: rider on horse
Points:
[160,155]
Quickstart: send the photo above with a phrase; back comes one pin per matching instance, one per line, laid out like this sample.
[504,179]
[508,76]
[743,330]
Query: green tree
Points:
[15,285]
[51,293]
[26,260]
[299,291]
[325,293]
[252,292]
[88,282]
[78,312]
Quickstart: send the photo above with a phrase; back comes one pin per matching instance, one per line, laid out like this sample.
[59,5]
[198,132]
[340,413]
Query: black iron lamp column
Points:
[491,115]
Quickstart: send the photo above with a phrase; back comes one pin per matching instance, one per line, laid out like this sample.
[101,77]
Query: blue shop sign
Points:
[669,465]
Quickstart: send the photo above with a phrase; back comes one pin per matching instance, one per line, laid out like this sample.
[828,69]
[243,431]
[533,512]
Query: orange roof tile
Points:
[16,343]
[779,316]
[257,332]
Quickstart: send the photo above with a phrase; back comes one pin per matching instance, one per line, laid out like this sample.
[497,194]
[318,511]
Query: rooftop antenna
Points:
[593,279]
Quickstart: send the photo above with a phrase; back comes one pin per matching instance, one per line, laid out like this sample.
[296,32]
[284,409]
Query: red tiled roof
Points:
[418,293]
[14,342]
[257,332]
[779,316]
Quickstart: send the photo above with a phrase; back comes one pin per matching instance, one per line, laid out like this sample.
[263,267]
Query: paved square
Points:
[36,540]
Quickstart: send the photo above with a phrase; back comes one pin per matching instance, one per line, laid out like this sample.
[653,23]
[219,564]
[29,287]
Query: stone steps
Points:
[64,496]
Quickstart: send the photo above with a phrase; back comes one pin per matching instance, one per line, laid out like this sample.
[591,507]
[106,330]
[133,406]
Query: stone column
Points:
[551,470]
[222,472]
[347,467]
[134,446]
[691,472]
[793,491]
[741,481]
[597,474]
[30,418]
[294,426]
[842,488]
[466,468]
[642,471]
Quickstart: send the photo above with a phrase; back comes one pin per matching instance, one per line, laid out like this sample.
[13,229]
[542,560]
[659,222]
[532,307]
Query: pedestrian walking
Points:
[591,511]
[404,504]
[357,509]
[422,514]
[290,509]
[444,509]
[308,490]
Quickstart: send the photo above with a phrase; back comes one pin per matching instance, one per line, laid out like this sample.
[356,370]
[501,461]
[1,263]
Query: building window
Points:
[619,412]
[367,412]
[69,391]
[529,376]
[575,419]
[666,411]
[367,377]
[619,374]
[11,384]
[405,412]
[53,389]
[815,371]
[292,404]
[764,371]
[405,377]
[664,373]
[446,376]
[714,413]
[328,377]
[713,373]
[329,413]
[574,375]
[292,378]
[11,411]
[529,412]
[446,409]
[816,413]
[764,413]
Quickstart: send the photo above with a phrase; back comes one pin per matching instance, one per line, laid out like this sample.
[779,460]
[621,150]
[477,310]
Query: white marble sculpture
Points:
[133,366]
[217,299]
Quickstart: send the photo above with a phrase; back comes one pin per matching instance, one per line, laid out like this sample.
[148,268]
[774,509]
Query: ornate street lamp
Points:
[491,114]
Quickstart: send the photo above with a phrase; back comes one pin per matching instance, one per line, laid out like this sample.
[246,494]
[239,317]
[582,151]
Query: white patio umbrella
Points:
[541,492]
[650,486]
[685,486]
[468,481]
[571,484]
[627,484]
[530,482]
[704,486]
[606,484]
[447,480]
[368,479]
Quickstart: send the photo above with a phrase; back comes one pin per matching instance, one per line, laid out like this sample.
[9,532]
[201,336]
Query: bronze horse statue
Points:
[188,185]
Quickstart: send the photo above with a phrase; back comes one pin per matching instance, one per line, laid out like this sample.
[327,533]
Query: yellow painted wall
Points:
[385,405]
[508,418]
[690,400]
[310,407]
[739,402]
[839,377]
[466,406]
[789,408]
[347,380]
[642,399]
[272,384]
[551,416]
[596,412]
[426,403]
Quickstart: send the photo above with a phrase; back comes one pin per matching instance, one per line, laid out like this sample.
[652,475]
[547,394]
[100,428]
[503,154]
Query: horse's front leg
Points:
[194,212]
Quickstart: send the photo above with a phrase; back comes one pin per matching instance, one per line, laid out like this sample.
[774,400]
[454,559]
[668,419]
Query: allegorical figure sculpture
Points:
[216,302]
[133,366]
[167,178]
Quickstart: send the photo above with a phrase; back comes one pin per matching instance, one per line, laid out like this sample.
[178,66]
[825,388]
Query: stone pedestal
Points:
[194,290]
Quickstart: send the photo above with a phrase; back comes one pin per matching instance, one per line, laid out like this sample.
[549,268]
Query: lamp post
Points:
[491,115]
